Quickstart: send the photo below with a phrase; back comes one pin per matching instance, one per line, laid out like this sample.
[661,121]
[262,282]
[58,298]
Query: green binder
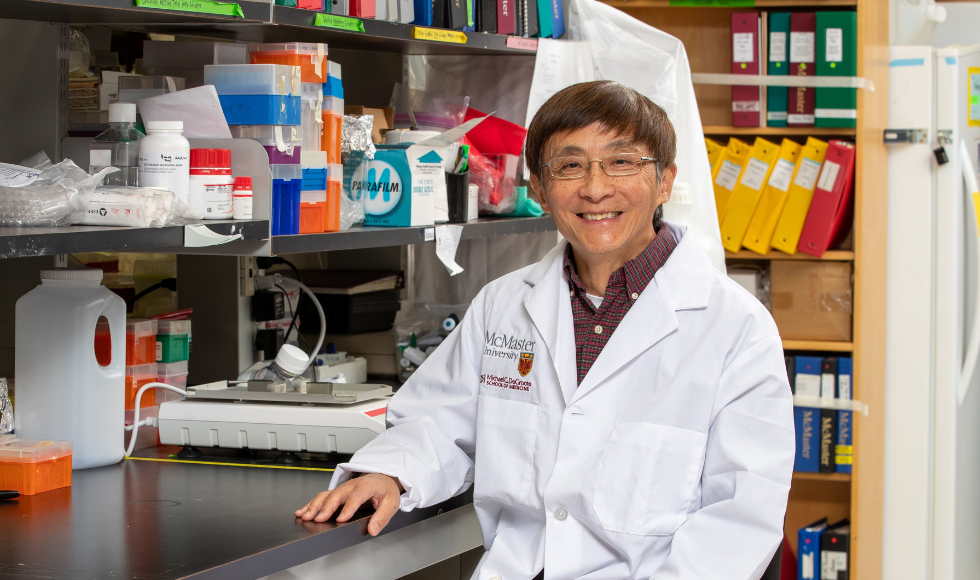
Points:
[836,57]
[546,28]
[778,65]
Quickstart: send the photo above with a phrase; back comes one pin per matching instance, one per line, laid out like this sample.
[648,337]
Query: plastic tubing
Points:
[136,410]
[323,319]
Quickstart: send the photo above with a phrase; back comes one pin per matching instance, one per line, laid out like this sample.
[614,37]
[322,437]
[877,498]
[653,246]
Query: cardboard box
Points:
[384,119]
[812,300]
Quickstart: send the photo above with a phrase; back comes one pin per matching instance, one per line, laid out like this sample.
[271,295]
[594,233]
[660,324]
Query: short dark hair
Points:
[614,106]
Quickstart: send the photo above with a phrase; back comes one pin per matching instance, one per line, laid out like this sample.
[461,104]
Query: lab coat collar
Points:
[684,283]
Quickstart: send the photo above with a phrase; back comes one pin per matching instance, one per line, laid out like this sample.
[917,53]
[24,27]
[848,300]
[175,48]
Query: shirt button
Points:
[561,514]
[634,296]
[495,578]
[598,329]
[571,294]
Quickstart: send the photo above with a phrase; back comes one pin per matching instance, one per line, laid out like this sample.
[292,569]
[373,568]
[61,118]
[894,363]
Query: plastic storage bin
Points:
[311,58]
[261,109]
[312,123]
[174,374]
[134,88]
[335,189]
[253,79]
[141,341]
[173,340]
[314,178]
[287,182]
[136,377]
[33,466]
[333,119]
[283,144]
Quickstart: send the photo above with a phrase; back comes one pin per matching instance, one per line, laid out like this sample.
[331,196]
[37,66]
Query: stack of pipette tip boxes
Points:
[173,348]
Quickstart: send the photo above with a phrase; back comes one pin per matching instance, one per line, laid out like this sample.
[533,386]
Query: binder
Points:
[802,61]
[790,361]
[714,152]
[758,235]
[845,450]
[807,422]
[831,210]
[828,440]
[544,18]
[486,16]
[506,17]
[808,379]
[777,65]
[836,57]
[531,24]
[470,16]
[557,19]
[808,548]
[835,551]
[786,236]
[423,13]
[363,8]
[406,11]
[456,14]
[725,175]
[747,192]
[828,377]
[746,100]
[439,9]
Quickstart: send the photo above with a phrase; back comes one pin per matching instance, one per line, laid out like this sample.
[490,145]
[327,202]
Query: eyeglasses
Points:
[615,165]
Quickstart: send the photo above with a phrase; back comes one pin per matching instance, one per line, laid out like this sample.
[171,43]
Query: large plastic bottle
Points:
[118,146]
[63,393]
[165,158]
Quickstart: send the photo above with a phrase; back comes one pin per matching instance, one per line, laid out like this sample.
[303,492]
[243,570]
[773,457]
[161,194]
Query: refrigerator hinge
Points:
[944,136]
[906,136]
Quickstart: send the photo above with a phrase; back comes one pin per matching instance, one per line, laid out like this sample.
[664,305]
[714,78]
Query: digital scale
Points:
[328,418]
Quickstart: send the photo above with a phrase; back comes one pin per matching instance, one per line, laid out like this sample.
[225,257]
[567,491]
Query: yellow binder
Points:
[790,225]
[758,235]
[726,173]
[714,152]
[746,195]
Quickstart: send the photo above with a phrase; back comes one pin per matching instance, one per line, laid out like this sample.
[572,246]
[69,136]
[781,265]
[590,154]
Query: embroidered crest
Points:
[524,363]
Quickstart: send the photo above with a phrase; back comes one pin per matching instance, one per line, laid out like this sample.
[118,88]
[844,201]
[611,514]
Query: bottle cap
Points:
[122,113]
[210,158]
[91,274]
[291,359]
[164,125]
[243,183]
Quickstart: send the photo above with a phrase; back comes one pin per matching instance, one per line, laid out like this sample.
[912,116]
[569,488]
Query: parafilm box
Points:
[400,185]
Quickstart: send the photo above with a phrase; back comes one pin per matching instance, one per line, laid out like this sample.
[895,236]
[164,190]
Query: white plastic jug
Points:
[63,393]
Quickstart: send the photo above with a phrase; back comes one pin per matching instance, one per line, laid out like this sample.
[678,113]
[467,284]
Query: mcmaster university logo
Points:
[524,363]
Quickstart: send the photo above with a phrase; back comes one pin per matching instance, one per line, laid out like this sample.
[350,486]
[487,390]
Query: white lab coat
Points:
[672,459]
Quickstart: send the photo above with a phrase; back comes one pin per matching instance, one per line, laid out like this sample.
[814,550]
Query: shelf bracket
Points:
[199,236]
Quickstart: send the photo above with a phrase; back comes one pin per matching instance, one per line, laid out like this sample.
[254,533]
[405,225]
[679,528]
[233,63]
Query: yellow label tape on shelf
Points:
[201,6]
[439,35]
[339,22]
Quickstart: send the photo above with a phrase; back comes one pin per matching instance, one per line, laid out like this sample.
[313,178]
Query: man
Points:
[621,407]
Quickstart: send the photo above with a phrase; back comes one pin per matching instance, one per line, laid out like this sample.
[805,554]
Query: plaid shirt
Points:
[594,326]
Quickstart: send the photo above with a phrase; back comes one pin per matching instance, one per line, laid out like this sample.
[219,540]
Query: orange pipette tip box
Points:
[33,466]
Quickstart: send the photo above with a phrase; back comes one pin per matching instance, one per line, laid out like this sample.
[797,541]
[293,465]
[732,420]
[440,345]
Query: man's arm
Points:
[748,468]
[431,437]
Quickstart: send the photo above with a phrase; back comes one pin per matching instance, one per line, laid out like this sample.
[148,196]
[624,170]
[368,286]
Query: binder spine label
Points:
[835,113]
[728,175]
[746,106]
[776,115]
[843,382]
[800,119]
[806,176]
[802,47]
[831,563]
[755,174]
[835,45]
[777,47]
[828,177]
[808,385]
[742,47]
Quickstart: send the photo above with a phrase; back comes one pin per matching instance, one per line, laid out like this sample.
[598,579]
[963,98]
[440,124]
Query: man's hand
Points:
[383,491]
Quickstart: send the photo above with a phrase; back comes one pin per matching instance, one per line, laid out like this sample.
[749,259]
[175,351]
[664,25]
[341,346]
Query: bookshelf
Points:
[704,27]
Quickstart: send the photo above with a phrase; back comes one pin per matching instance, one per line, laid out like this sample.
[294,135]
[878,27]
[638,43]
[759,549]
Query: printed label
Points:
[217,199]
[808,385]
[522,43]
[831,563]
[806,177]
[828,177]
[17,176]
[798,119]
[844,387]
[728,175]
[835,45]
[801,47]
[781,175]
[755,174]
[99,159]
[973,102]
[776,115]
[835,113]
[827,386]
[777,47]
[159,355]
[742,47]
[746,106]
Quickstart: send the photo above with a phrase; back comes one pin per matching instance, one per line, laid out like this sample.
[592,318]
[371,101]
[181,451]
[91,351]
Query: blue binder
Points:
[808,371]
[807,421]
[423,13]
[844,453]
[808,548]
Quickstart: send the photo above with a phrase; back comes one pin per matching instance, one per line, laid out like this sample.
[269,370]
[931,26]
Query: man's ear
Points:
[538,188]
[666,183]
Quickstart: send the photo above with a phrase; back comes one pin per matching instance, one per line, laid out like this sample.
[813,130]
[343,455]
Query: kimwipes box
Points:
[812,300]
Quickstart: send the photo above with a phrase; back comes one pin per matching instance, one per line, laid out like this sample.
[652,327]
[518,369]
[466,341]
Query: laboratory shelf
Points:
[820,345]
[828,477]
[715,130]
[24,242]
[729,4]
[828,256]
[375,237]
[262,22]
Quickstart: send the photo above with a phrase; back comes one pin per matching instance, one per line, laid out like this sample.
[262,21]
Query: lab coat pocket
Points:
[505,436]
[647,477]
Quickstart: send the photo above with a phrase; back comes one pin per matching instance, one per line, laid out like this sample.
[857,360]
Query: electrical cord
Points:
[150,421]
[319,310]
[266,262]
[168,283]
[298,333]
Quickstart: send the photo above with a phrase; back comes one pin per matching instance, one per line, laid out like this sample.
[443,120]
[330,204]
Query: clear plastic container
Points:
[288,373]
[136,377]
[268,134]
[335,189]
[173,340]
[174,374]
[147,273]
[254,79]
[261,109]
[141,341]
[287,185]
[118,146]
[76,399]
[312,58]
[333,119]
[33,466]
[171,84]
[311,91]
[312,124]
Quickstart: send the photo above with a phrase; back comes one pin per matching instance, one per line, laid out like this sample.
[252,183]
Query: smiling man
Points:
[621,408]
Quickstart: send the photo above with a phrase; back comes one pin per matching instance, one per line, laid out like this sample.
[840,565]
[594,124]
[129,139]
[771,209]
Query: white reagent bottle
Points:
[165,158]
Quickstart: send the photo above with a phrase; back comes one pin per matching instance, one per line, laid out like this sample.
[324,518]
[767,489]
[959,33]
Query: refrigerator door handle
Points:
[973,345]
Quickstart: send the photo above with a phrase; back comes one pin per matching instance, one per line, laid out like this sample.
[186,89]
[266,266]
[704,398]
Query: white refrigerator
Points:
[932,415]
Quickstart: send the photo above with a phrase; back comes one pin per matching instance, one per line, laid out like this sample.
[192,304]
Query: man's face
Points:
[599,215]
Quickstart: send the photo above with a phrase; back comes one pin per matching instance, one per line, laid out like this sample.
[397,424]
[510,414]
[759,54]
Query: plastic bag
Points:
[79,54]
[430,111]
[420,328]
[6,409]
[52,197]
[496,176]
[356,148]
[134,207]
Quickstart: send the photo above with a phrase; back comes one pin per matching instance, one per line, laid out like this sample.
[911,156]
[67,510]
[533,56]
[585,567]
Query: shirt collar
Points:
[636,273]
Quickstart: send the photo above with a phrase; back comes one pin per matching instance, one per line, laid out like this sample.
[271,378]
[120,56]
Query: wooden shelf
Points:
[830,256]
[825,345]
[780,131]
[830,477]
